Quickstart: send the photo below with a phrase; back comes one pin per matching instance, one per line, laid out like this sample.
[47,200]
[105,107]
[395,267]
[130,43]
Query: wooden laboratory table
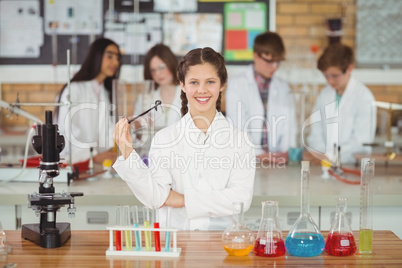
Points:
[199,249]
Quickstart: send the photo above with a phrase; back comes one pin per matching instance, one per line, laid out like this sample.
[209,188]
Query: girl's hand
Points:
[122,137]
[175,200]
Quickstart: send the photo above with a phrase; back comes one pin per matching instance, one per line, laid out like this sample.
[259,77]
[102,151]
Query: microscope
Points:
[49,234]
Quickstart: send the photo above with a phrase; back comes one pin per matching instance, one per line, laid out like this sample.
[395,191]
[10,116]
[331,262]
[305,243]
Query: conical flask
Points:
[340,241]
[269,241]
[237,239]
[304,238]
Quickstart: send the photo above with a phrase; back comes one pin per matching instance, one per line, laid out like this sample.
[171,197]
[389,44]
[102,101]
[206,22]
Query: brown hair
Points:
[336,55]
[200,56]
[166,55]
[269,43]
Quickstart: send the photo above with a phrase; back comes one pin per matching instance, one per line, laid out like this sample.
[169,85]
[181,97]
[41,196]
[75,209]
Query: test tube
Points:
[366,206]
[118,232]
[126,222]
[137,234]
[167,239]
[147,234]
[157,234]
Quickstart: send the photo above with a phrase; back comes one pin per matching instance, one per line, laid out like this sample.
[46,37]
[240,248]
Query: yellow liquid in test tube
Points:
[128,239]
[366,241]
[147,237]
[238,249]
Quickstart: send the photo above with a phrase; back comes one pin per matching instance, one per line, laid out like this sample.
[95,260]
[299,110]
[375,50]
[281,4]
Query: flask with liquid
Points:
[304,238]
[269,241]
[237,239]
[340,241]
[366,206]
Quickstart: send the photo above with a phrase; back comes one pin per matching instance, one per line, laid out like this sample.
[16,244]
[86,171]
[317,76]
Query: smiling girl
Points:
[198,166]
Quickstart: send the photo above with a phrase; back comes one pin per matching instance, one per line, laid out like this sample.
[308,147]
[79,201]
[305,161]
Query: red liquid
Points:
[157,238]
[276,249]
[118,240]
[340,244]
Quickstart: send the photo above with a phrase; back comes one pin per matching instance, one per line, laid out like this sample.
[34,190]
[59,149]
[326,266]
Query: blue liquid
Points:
[167,241]
[305,244]
[137,236]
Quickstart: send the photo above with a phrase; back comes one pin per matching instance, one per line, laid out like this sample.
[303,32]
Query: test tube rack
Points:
[111,251]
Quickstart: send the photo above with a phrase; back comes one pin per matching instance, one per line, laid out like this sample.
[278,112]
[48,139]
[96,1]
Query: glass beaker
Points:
[269,241]
[237,239]
[304,238]
[366,206]
[340,241]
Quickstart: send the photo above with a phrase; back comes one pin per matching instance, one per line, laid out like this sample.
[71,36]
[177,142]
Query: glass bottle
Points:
[304,238]
[340,241]
[366,206]
[269,241]
[237,239]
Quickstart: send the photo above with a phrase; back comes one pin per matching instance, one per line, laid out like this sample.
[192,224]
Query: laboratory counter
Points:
[198,249]
[281,183]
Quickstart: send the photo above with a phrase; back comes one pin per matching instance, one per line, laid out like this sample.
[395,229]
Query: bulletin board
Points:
[227,26]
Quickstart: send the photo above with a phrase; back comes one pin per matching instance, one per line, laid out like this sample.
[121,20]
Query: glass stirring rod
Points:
[157,103]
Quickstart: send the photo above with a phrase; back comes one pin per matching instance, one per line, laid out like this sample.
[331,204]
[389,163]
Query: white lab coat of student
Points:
[91,120]
[212,170]
[348,124]
[245,109]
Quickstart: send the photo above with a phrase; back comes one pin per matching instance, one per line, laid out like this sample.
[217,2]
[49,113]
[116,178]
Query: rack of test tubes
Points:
[147,240]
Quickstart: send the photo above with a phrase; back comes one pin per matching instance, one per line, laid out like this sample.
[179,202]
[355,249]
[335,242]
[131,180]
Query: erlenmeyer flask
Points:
[304,238]
[237,239]
[340,241]
[269,241]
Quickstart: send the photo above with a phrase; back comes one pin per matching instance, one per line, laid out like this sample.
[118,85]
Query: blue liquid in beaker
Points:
[305,244]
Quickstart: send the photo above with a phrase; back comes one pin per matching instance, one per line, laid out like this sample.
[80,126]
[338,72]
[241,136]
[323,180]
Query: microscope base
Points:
[51,238]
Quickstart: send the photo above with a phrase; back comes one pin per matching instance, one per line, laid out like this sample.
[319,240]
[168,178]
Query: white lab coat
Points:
[91,121]
[245,109]
[212,170]
[349,125]
[171,112]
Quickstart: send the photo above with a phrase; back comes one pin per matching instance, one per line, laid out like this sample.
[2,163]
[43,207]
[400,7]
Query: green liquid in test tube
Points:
[147,234]
[167,239]
[137,234]
[126,222]
[366,206]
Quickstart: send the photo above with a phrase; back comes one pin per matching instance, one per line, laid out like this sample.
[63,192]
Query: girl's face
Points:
[160,72]
[110,62]
[202,86]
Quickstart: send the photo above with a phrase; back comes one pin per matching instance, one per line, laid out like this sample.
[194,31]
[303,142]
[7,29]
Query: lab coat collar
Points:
[347,93]
[196,135]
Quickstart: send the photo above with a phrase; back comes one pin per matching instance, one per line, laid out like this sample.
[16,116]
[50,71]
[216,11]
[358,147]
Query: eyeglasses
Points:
[159,68]
[332,76]
[271,62]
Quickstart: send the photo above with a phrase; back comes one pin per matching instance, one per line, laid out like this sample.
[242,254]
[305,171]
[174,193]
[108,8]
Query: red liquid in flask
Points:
[340,244]
[277,248]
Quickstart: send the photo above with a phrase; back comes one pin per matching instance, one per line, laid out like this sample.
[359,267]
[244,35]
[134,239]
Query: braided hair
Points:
[201,56]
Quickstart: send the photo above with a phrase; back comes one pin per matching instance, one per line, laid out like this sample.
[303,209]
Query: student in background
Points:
[346,108]
[198,166]
[160,66]
[91,95]
[261,103]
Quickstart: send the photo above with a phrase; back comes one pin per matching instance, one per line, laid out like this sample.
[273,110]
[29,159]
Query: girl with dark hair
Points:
[89,119]
[198,166]
[160,66]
